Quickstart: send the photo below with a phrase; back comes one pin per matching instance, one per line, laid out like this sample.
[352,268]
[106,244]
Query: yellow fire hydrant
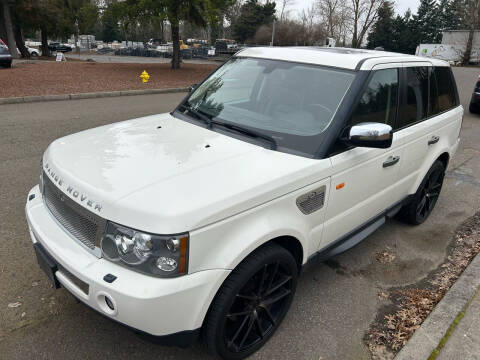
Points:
[144,76]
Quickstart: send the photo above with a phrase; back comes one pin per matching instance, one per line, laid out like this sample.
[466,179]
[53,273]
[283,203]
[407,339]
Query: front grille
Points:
[78,221]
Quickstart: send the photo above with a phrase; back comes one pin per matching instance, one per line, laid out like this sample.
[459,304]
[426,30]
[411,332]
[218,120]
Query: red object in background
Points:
[2,43]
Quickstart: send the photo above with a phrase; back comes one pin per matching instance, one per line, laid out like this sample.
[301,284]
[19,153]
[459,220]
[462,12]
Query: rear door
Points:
[365,180]
[426,119]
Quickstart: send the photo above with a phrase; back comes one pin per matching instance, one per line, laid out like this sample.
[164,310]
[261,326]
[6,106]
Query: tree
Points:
[451,14]
[252,16]
[426,24]
[473,11]
[194,11]
[404,33]
[365,13]
[383,31]
[336,15]
[7,19]
[284,4]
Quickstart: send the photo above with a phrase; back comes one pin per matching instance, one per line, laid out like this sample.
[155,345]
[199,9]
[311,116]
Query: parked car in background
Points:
[58,47]
[475,100]
[5,56]
[196,223]
[32,51]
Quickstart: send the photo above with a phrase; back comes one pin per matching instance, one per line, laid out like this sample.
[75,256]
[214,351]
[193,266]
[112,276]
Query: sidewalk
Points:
[464,341]
[452,330]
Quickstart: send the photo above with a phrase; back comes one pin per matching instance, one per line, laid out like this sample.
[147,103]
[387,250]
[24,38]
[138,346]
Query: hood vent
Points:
[312,201]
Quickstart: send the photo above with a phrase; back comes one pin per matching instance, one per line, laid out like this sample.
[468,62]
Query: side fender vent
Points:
[312,201]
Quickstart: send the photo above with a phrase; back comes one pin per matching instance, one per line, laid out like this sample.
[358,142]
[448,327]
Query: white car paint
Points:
[162,175]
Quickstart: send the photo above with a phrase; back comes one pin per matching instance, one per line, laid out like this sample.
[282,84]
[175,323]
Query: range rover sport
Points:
[196,223]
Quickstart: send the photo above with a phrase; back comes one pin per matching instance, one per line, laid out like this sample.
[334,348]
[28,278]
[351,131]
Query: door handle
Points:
[392,160]
[433,140]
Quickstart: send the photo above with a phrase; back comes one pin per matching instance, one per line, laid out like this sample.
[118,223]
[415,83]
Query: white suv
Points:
[199,221]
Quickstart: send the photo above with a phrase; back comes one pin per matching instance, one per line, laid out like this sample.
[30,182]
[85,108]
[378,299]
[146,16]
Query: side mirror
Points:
[372,135]
[192,87]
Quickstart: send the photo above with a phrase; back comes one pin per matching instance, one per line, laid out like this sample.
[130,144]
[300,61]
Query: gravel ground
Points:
[48,78]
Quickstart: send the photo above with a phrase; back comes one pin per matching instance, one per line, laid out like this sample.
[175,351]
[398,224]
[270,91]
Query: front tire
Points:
[424,200]
[251,303]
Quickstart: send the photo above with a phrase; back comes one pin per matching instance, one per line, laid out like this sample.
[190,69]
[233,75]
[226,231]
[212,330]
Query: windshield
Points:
[291,102]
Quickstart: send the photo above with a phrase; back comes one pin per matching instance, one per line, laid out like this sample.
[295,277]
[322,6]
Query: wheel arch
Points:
[292,245]
[444,158]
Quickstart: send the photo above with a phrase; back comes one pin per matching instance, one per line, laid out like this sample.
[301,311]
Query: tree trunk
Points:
[355,34]
[468,48]
[9,29]
[21,42]
[77,46]
[176,45]
[44,35]
[473,24]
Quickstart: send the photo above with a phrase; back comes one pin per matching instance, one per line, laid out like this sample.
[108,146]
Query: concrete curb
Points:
[30,99]
[433,329]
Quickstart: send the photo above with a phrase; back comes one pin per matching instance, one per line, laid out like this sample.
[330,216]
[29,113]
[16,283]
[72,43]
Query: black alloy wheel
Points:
[430,193]
[251,303]
[426,196]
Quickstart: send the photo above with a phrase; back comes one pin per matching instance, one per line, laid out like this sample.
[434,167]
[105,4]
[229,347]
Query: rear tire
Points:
[424,200]
[251,303]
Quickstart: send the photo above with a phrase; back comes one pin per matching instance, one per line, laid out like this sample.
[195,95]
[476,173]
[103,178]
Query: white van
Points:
[199,221]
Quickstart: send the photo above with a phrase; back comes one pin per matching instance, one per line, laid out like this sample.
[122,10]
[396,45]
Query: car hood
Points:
[164,175]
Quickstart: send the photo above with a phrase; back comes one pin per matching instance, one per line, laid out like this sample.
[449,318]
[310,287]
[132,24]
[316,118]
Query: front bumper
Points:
[155,306]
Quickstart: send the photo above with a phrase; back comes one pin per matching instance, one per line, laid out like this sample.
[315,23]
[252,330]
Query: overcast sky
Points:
[400,5]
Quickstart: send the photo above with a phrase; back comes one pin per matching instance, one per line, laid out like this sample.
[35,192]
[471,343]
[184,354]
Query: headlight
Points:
[158,255]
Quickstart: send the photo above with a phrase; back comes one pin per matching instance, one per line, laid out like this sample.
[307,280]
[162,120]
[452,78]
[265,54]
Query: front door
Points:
[365,180]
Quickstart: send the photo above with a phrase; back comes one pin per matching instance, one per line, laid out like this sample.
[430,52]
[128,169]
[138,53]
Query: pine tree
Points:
[426,24]
[382,33]
[452,14]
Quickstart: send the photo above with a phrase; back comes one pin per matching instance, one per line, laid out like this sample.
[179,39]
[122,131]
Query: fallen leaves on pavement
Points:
[412,304]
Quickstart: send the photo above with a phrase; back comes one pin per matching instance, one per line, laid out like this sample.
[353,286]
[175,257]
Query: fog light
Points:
[166,264]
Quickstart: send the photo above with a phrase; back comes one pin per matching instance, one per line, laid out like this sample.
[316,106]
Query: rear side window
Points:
[445,88]
[417,96]
[379,100]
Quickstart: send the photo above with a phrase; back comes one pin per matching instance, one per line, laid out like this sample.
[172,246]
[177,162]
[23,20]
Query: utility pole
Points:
[273,33]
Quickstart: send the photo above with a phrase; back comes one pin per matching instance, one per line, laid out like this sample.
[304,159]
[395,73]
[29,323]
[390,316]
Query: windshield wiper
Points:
[249,132]
[198,114]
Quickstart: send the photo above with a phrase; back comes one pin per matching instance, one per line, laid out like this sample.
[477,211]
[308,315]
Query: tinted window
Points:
[379,100]
[417,96]
[445,88]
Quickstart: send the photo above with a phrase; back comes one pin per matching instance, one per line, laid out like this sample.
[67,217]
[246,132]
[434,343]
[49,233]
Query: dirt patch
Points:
[410,305]
[48,78]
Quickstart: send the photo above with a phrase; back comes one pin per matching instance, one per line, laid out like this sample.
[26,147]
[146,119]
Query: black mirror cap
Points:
[192,87]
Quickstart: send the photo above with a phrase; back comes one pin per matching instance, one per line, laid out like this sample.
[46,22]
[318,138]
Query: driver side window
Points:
[379,100]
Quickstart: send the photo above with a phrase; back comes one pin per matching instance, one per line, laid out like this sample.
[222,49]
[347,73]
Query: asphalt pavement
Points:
[335,302]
